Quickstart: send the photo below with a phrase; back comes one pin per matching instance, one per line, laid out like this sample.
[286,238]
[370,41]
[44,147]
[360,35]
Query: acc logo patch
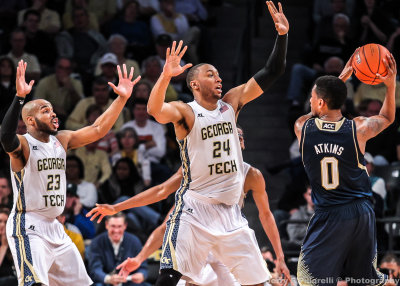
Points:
[328,126]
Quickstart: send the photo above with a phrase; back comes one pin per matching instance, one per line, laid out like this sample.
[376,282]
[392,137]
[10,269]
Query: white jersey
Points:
[246,168]
[211,156]
[40,187]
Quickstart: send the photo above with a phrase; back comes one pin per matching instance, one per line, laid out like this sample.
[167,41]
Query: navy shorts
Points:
[340,244]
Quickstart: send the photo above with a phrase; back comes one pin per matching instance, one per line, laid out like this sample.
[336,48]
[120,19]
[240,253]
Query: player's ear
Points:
[194,84]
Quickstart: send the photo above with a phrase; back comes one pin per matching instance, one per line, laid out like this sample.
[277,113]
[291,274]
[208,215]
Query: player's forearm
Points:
[388,109]
[271,230]
[8,135]
[275,65]
[153,243]
[157,95]
[150,196]
[105,122]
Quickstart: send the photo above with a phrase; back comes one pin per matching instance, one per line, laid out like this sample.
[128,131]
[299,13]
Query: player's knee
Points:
[168,277]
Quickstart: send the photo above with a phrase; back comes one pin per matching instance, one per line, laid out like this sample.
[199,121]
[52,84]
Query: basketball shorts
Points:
[43,252]
[340,244]
[201,225]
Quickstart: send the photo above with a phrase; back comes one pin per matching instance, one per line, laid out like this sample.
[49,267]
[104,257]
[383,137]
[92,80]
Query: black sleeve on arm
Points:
[8,134]
[275,65]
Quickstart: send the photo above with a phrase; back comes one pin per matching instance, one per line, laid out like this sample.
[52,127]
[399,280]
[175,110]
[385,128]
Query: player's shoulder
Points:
[63,137]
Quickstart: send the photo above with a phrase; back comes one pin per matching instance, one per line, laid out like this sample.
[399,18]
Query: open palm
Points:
[22,87]
[173,59]
[125,83]
[129,265]
[281,23]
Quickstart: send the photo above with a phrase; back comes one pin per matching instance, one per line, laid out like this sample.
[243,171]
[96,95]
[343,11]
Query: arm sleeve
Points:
[275,65]
[8,135]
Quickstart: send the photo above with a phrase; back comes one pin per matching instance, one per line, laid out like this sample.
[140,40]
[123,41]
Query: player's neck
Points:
[40,135]
[207,103]
[331,115]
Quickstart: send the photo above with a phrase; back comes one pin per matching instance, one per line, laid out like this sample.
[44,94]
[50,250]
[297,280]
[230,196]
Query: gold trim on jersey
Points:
[20,237]
[179,204]
[303,139]
[359,165]
[304,277]
[337,124]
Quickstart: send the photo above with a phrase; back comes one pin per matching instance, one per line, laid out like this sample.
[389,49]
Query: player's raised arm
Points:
[255,182]
[273,69]
[9,138]
[368,127]
[147,197]
[104,122]
[167,112]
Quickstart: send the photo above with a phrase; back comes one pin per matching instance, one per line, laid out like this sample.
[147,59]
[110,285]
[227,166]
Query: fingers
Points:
[167,53]
[179,47]
[137,79]
[119,72]
[131,73]
[113,85]
[91,212]
[187,66]
[94,216]
[101,218]
[182,52]
[31,83]
[280,7]
[173,48]
[125,71]
[121,265]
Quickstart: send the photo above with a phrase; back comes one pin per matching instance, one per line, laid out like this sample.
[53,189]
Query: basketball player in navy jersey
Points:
[341,236]
[254,181]
[207,214]
[43,253]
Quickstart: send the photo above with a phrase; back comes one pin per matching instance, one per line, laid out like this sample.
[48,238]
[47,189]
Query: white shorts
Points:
[43,252]
[199,226]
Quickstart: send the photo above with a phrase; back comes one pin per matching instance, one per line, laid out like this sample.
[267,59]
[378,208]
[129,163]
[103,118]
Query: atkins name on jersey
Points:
[328,148]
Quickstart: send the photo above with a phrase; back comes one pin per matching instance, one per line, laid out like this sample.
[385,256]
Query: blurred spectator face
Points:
[100,94]
[21,128]
[79,3]
[32,23]
[153,69]
[340,26]
[39,3]
[168,7]
[131,12]
[241,138]
[81,19]
[5,189]
[142,90]
[5,68]
[118,46]
[267,255]
[140,113]
[72,170]
[93,116]
[369,3]
[3,222]
[333,66]
[122,170]
[307,197]
[116,227]
[18,41]
[373,108]
[392,267]
[128,140]
[338,6]
[63,69]
[109,70]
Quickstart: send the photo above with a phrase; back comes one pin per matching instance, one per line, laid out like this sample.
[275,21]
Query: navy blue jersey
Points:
[333,162]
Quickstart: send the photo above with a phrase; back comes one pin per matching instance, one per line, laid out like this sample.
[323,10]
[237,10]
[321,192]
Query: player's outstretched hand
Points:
[125,83]
[390,64]
[129,265]
[282,269]
[22,87]
[281,23]
[101,210]
[172,66]
[348,68]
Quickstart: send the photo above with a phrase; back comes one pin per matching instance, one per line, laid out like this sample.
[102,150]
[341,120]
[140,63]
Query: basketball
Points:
[367,62]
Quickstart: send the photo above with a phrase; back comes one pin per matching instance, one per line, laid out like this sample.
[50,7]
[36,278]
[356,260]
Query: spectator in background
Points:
[117,45]
[130,148]
[17,53]
[111,248]
[39,43]
[297,231]
[6,197]
[8,17]
[393,44]
[75,173]
[108,143]
[100,97]
[82,44]
[49,19]
[108,66]
[76,214]
[74,233]
[192,9]
[61,90]
[142,90]
[378,186]
[7,86]
[168,21]
[136,32]
[68,19]
[147,8]
[326,8]
[376,92]
[390,265]
[8,276]
[151,71]
[152,135]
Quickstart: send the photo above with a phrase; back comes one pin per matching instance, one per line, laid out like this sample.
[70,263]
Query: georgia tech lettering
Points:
[216,129]
[54,200]
[50,164]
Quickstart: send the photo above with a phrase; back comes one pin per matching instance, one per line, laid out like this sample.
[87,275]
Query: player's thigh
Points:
[68,268]
[240,252]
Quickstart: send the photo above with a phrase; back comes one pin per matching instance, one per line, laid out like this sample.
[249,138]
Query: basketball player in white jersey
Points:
[207,215]
[215,273]
[43,253]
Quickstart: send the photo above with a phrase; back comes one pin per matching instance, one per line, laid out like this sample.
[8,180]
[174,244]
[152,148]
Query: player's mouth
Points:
[219,88]
[55,123]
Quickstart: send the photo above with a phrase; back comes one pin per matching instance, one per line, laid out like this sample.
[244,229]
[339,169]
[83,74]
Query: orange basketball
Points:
[367,62]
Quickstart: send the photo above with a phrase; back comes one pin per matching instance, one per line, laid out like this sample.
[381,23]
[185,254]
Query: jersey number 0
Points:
[329,173]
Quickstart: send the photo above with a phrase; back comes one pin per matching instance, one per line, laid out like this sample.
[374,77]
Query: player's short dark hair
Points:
[31,12]
[192,74]
[80,165]
[332,90]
